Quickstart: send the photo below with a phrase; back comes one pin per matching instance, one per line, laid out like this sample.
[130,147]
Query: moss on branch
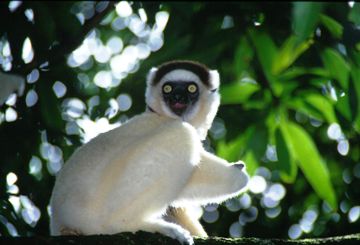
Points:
[145,238]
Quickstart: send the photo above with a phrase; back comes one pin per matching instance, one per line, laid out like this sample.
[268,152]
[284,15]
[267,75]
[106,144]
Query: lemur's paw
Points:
[182,235]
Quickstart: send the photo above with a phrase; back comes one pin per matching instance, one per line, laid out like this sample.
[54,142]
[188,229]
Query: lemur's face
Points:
[181,93]
[180,96]
[180,89]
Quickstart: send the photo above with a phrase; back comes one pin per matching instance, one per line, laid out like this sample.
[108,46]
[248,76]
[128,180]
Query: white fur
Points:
[214,79]
[125,179]
[204,111]
[180,74]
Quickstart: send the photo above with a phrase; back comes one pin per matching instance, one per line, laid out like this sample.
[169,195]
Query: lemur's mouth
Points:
[178,105]
[180,96]
[178,108]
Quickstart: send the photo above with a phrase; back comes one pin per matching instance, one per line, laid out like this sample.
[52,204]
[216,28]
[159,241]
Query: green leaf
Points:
[323,105]
[305,18]
[266,51]
[249,147]
[343,107]
[256,147]
[250,161]
[292,73]
[259,101]
[357,124]
[337,67]
[231,151]
[243,56]
[258,140]
[288,53]
[50,107]
[287,165]
[353,99]
[335,28]
[300,105]
[347,106]
[355,75]
[314,105]
[318,71]
[308,158]
[238,92]
[354,14]
[343,110]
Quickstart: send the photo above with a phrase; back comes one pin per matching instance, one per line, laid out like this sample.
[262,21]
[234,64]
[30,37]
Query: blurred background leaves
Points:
[290,109]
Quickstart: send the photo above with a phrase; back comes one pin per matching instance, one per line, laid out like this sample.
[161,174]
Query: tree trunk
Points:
[145,238]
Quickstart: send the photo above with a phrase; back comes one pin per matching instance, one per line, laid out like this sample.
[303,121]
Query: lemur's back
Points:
[110,163]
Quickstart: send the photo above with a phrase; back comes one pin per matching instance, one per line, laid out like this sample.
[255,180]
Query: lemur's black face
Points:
[180,96]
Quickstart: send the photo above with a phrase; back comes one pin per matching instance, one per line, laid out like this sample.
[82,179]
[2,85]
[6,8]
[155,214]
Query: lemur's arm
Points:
[213,180]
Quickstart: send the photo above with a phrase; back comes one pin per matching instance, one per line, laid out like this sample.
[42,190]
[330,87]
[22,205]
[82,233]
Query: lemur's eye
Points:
[192,88]
[167,88]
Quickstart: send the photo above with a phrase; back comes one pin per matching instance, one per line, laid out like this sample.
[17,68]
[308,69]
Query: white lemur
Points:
[143,174]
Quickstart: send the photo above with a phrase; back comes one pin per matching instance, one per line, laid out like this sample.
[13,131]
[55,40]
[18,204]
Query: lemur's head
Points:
[185,90]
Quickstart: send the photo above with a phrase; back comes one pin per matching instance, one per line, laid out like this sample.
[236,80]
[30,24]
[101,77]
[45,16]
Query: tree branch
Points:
[146,238]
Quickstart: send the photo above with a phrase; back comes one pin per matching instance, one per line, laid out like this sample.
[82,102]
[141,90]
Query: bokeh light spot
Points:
[59,89]
[31,98]
[295,231]
[354,214]
[257,184]
[124,102]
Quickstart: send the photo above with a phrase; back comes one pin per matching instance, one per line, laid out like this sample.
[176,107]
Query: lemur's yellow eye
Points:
[167,88]
[192,88]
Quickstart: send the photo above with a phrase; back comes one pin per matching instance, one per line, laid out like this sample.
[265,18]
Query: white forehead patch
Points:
[180,75]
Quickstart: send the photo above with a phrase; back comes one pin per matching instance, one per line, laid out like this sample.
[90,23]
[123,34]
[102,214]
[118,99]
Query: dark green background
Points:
[281,65]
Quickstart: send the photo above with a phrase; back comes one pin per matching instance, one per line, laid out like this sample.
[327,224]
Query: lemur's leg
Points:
[182,217]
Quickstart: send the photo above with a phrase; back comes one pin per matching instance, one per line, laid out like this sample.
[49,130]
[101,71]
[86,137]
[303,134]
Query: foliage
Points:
[290,109]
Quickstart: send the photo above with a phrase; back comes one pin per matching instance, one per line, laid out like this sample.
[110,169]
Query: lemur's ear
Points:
[151,76]
[214,80]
